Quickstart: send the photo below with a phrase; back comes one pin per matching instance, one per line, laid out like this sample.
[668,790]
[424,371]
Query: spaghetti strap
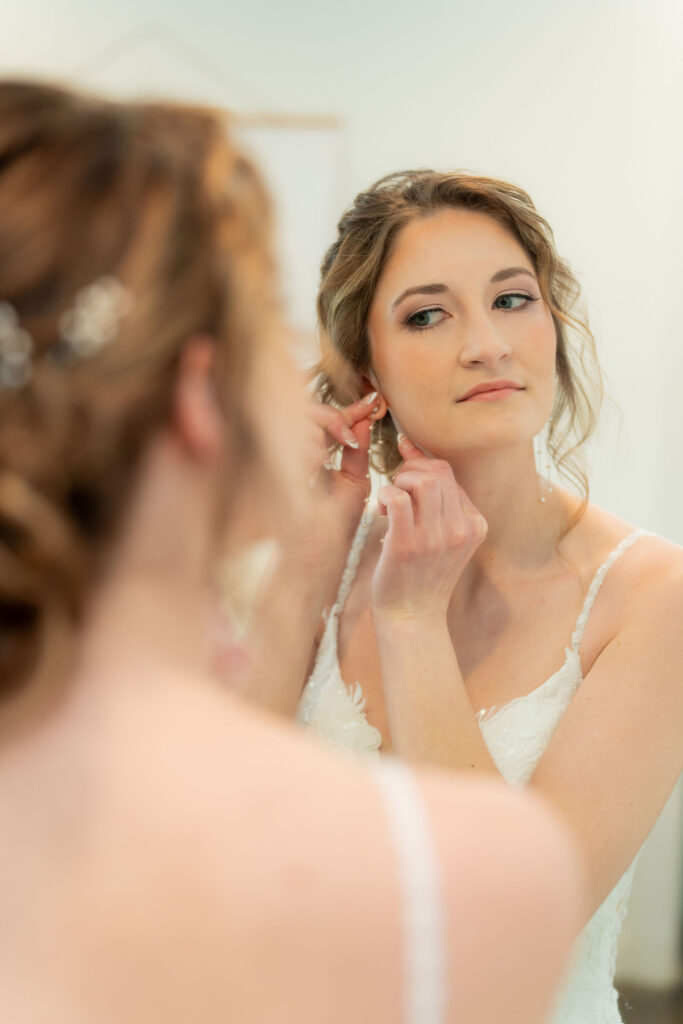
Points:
[424,943]
[328,642]
[597,582]
[355,552]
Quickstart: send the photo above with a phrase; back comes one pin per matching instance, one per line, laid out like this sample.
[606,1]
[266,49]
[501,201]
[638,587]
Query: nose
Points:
[482,341]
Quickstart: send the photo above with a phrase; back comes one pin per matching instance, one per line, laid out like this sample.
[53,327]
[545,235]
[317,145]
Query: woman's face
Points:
[458,305]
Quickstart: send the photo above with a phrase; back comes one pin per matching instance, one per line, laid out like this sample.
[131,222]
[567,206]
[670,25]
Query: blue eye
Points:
[424,318]
[508,298]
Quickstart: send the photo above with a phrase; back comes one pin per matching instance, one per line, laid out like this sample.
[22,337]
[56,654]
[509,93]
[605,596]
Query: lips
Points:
[491,386]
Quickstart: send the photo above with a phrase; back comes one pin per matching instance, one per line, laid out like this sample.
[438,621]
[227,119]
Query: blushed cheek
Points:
[404,373]
[545,345]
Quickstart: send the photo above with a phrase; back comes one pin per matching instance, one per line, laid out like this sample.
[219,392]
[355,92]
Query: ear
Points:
[196,414]
[369,384]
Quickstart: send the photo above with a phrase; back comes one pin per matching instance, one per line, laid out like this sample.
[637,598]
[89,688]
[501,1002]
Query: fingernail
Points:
[350,439]
[369,399]
[401,438]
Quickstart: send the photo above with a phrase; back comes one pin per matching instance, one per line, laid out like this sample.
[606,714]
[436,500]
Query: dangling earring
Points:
[542,453]
[364,519]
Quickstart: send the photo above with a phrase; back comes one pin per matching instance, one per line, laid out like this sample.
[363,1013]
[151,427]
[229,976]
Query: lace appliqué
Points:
[331,709]
[516,733]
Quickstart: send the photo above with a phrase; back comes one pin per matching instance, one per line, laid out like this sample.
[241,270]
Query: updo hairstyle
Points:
[351,269]
[155,196]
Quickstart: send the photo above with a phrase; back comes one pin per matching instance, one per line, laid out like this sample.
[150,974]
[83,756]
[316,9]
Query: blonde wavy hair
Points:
[156,196]
[351,269]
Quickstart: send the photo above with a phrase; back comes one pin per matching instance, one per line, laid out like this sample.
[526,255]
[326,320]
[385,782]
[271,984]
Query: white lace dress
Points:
[516,734]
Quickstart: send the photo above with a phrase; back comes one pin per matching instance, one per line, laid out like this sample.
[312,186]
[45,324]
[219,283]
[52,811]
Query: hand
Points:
[338,496]
[434,529]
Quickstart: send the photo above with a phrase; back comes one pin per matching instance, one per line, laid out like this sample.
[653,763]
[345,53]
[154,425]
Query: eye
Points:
[509,301]
[425,318]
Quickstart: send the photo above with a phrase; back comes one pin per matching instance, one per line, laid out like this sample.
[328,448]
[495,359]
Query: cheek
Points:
[411,388]
[544,342]
[539,345]
[411,368]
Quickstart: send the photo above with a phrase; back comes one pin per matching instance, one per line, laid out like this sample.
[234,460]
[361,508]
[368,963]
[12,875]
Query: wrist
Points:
[408,620]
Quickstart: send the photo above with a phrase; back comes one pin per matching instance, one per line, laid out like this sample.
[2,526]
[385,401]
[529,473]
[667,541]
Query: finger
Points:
[427,501]
[354,462]
[398,507]
[473,514]
[452,511]
[332,421]
[408,450]
[412,455]
[364,407]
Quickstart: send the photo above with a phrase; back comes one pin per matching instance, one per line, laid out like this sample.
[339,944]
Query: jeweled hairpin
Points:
[88,326]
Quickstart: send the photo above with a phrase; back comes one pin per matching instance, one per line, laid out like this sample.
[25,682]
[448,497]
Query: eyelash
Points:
[437,309]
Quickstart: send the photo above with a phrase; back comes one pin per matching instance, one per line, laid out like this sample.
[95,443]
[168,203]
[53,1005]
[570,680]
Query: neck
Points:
[158,592]
[152,612]
[523,531]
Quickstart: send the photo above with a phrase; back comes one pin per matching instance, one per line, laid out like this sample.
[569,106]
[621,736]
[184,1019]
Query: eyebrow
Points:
[437,289]
[502,275]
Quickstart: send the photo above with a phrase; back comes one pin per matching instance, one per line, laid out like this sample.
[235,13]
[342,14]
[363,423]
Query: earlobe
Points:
[380,406]
[196,415]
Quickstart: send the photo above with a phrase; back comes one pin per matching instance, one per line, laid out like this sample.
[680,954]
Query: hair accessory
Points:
[16,349]
[91,323]
[94,319]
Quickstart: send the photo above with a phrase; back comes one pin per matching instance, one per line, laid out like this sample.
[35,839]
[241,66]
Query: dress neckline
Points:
[572,652]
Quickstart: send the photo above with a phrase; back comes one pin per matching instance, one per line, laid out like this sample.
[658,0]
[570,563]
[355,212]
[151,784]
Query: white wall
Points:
[579,102]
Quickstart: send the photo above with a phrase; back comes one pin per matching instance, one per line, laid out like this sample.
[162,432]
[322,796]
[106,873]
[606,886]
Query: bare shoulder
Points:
[526,904]
[226,838]
[220,839]
[651,560]
[646,584]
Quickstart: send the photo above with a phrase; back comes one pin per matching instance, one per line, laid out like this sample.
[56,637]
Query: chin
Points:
[481,443]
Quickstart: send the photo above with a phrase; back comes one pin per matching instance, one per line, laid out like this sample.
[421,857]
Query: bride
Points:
[170,853]
[488,620]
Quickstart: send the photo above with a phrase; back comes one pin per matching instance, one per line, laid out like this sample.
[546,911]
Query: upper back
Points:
[173,855]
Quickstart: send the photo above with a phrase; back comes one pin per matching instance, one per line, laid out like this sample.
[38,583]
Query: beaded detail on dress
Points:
[516,734]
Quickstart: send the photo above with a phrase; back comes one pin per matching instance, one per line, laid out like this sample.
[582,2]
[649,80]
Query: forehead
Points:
[451,244]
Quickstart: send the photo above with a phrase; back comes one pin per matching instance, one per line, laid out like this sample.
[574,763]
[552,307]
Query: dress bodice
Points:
[516,734]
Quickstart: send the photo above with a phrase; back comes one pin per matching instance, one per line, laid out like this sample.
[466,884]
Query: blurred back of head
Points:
[155,197]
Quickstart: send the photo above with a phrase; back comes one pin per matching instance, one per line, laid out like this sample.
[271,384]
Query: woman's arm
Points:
[429,712]
[433,532]
[286,628]
[617,752]
[283,639]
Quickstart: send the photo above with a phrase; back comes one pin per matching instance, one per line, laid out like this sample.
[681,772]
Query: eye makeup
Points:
[411,321]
